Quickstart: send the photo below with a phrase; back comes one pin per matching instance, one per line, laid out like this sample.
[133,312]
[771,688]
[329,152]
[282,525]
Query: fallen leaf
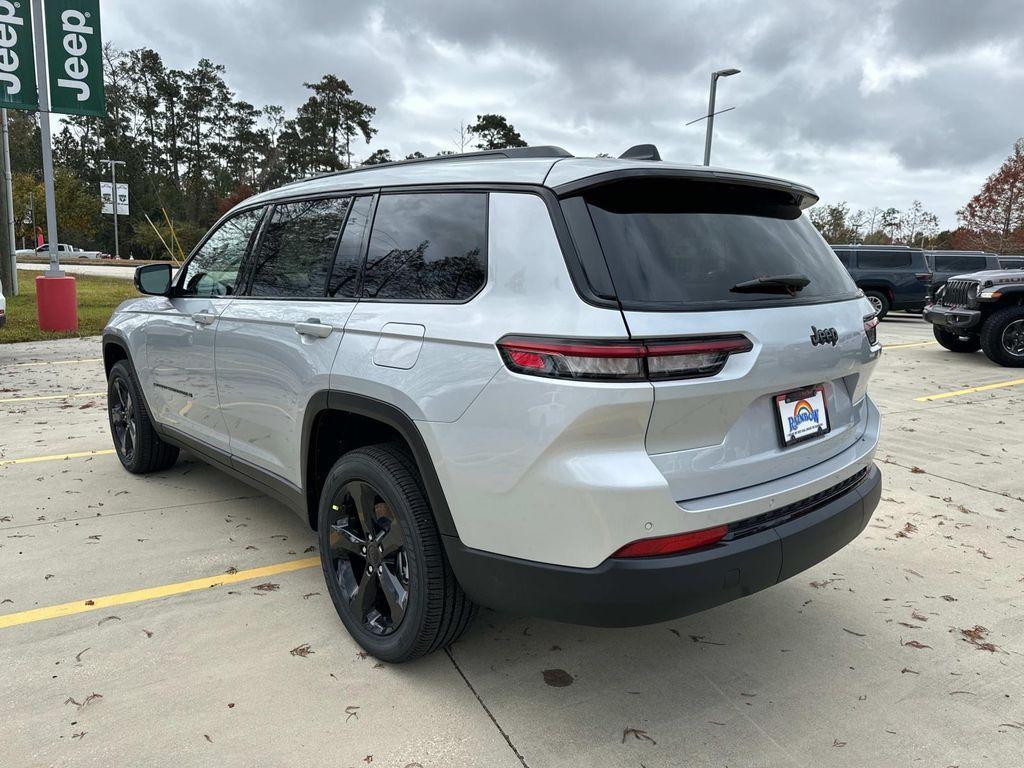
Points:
[78,656]
[91,698]
[207,737]
[90,602]
[231,570]
[917,470]
[148,633]
[914,644]
[838,743]
[350,712]
[267,587]
[700,639]
[309,595]
[918,615]
[976,637]
[70,700]
[47,577]
[638,734]
[908,670]
[302,650]
[368,759]
[855,634]
[309,548]
[231,705]
[948,598]
[78,735]
[108,618]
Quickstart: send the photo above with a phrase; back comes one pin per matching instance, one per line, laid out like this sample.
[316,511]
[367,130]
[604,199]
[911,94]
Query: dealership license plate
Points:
[802,415]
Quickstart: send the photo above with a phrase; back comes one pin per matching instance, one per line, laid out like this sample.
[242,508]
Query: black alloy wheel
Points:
[1002,337]
[124,420]
[383,559]
[368,557]
[136,441]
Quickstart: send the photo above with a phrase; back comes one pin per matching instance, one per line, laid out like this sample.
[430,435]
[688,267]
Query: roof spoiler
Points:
[641,152]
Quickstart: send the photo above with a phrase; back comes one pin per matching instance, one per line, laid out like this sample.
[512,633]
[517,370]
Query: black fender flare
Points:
[392,416]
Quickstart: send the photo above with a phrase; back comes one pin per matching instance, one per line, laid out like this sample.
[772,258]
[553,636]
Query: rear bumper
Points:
[952,318]
[620,593]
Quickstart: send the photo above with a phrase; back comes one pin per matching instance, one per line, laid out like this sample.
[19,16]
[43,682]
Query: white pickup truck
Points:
[65,250]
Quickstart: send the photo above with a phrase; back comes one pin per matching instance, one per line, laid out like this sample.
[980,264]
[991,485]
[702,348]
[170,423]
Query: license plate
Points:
[802,415]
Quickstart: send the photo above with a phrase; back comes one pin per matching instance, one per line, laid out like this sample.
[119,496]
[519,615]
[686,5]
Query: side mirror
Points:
[154,279]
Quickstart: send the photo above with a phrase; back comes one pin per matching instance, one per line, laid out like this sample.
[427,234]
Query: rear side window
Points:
[958,263]
[297,248]
[345,275]
[884,259]
[427,247]
[673,244]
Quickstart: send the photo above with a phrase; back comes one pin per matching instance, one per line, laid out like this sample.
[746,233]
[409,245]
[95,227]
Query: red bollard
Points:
[56,303]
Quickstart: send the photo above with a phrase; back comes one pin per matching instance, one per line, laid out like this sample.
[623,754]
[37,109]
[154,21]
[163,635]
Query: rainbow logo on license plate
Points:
[802,415]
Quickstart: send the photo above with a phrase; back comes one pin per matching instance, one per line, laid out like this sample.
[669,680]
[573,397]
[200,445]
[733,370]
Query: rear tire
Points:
[955,342]
[1002,337]
[383,559]
[138,446]
[879,303]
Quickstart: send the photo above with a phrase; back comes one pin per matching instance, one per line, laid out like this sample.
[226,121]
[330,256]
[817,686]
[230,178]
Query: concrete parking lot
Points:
[182,618]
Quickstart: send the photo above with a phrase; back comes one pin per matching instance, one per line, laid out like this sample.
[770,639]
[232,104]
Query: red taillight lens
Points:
[620,361]
[871,328]
[924,277]
[674,544]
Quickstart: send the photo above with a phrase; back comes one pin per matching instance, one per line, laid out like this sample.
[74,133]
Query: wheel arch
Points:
[336,422]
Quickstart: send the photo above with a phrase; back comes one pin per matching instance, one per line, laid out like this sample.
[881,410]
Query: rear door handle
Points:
[313,327]
[204,318]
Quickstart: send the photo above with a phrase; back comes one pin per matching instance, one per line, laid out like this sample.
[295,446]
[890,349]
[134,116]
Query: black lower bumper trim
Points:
[620,593]
[953,319]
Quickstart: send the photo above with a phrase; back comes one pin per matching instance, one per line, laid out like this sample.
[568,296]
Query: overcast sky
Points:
[876,102]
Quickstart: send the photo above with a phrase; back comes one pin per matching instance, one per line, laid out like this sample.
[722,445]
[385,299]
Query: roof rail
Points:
[508,152]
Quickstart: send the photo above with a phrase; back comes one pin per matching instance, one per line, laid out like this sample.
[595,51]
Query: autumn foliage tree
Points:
[993,219]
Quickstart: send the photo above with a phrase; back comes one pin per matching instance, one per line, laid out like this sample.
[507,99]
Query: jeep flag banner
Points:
[75,57]
[17,57]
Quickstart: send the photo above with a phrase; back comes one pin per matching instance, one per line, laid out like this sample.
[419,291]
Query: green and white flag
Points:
[74,56]
[17,58]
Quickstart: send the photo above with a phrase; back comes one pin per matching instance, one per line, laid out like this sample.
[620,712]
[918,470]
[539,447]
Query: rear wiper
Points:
[790,284]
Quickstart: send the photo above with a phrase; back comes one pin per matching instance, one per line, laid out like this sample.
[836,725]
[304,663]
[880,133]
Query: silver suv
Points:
[601,391]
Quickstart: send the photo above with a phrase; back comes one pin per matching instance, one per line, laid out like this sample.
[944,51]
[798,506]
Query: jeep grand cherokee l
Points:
[601,391]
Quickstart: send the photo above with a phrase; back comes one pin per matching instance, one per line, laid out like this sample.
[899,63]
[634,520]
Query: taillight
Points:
[674,544]
[924,277]
[871,328]
[620,360]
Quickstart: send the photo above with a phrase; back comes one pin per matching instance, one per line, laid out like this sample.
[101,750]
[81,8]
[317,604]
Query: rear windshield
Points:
[673,244]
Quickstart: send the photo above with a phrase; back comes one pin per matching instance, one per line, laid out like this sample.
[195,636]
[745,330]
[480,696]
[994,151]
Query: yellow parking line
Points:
[969,390]
[57,457]
[907,346]
[58,362]
[140,595]
[51,397]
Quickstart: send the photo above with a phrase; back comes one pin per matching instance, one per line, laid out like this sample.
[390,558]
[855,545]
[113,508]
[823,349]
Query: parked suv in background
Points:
[3,307]
[947,264]
[984,310]
[1011,262]
[601,391]
[892,276]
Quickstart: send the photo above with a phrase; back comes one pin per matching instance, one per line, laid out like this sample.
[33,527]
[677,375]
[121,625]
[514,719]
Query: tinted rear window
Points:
[884,259]
[684,244]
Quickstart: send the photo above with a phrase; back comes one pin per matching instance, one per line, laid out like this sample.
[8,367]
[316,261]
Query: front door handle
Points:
[313,327]
[204,318]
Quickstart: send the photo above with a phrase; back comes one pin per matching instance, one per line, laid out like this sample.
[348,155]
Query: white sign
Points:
[122,198]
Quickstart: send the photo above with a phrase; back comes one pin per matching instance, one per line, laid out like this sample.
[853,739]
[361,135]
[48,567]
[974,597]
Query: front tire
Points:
[383,560]
[138,446]
[955,342]
[1002,337]
[879,303]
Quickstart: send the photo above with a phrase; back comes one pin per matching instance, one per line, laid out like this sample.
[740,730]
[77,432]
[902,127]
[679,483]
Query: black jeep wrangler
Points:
[982,310]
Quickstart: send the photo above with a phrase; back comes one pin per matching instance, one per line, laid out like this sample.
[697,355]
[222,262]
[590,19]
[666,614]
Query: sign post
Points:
[115,199]
[44,130]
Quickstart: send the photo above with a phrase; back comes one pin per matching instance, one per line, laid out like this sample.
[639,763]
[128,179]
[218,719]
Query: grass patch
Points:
[97,298]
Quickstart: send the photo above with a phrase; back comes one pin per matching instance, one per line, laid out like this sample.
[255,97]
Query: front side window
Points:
[213,270]
[297,248]
[427,247]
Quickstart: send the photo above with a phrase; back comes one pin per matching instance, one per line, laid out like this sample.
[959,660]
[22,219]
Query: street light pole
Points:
[9,195]
[113,195]
[711,109]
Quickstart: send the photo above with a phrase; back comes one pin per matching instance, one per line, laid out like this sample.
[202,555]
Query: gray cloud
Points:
[878,102]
